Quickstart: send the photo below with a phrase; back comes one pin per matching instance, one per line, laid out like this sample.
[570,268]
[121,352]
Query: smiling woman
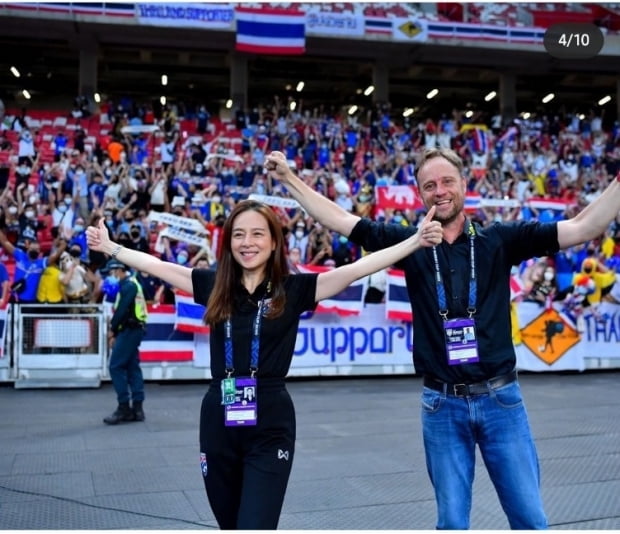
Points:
[253,306]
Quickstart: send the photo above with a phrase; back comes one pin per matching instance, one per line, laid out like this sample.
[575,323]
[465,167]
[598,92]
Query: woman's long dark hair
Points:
[220,304]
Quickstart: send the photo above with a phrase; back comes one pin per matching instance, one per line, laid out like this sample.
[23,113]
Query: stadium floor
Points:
[359,461]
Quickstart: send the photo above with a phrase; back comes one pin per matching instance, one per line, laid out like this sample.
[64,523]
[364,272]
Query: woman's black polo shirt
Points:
[277,336]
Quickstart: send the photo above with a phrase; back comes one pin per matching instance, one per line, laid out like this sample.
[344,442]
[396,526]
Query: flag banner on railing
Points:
[397,306]
[162,342]
[189,315]
[270,31]
[347,302]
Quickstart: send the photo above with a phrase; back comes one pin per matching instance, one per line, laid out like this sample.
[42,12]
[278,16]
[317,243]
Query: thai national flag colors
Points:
[270,31]
[346,303]
[480,140]
[377,26]
[189,316]
[397,305]
[473,201]
[162,342]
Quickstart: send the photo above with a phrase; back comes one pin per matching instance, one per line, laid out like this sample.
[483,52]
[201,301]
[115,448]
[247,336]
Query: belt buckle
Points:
[456,387]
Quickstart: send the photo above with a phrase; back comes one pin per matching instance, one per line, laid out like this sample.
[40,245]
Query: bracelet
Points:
[116,250]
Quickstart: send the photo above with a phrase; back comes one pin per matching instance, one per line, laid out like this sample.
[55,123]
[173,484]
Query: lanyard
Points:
[255,346]
[473,288]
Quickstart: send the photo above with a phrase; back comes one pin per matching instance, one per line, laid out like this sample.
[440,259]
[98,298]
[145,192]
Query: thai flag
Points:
[397,305]
[480,140]
[509,135]
[346,303]
[473,202]
[189,315]
[555,204]
[377,26]
[270,31]
[162,342]
[516,287]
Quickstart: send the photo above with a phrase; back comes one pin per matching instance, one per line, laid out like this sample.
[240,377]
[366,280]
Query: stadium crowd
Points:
[137,168]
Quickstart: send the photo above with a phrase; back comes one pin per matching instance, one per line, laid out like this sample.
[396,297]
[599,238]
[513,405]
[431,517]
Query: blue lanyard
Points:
[473,287]
[255,346]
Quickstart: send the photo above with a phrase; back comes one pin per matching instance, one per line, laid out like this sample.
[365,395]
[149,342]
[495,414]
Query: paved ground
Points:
[359,461]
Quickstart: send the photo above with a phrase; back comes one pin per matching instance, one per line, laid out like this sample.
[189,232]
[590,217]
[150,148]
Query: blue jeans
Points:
[125,369]
[497,422]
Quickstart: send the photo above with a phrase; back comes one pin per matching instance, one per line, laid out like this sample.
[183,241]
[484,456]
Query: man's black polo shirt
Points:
[497,248]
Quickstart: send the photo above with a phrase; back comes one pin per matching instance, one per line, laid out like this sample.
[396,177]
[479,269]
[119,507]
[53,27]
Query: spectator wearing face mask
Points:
[75,278]
[63,210]
[137,236]
[26,150]
[29,267]
[299,239]
[78,238]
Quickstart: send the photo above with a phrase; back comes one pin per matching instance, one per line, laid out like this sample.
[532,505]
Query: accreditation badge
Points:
[461,341]
[243,411]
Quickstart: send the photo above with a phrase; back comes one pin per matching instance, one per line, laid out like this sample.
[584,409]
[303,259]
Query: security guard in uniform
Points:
[127,328]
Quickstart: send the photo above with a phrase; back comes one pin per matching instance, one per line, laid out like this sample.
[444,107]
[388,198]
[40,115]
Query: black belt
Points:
[466,390]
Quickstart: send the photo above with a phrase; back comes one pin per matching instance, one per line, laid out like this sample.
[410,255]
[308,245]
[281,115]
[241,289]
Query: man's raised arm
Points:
[322,209]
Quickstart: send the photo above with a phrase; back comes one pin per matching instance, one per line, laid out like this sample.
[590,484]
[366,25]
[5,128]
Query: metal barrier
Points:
[57,345]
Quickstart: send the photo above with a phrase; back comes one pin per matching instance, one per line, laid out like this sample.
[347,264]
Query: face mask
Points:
[12,210]
[299,234]
[135,234]
[32,199]
[33,254]
[343,239]
[217,200]
[113,279]
[588,270]
[29,214]
[548,276]
[363,198]
[78,228]
[62,208]
[398,218]
[75,253]
[182,259]
[67,201]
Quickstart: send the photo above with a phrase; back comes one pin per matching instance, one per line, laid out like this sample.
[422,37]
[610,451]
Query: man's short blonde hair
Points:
[446,153]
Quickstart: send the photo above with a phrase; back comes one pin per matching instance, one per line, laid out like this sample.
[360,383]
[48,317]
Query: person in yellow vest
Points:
[127,328]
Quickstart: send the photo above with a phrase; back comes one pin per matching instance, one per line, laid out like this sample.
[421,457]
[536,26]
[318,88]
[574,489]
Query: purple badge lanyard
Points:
[255,347]
[473,288]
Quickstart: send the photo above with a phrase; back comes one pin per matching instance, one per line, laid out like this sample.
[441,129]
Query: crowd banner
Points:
[327,24]
[94,9]
[202,15]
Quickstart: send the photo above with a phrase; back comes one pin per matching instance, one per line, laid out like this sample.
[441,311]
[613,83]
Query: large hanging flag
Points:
[270,31]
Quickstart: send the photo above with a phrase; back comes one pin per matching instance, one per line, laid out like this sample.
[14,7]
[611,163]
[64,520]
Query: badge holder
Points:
[461,340]
[239,397]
